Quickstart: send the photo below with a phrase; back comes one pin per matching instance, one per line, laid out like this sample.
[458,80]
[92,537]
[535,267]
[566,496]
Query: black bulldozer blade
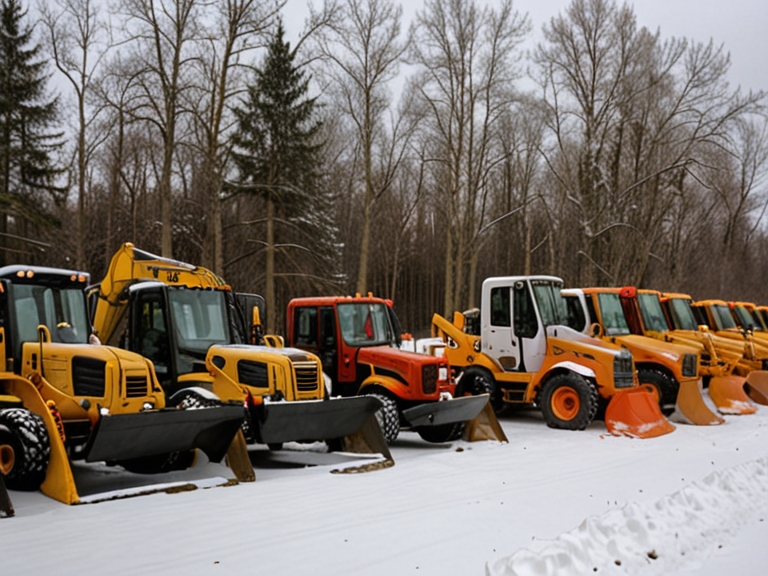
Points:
[446,411]
[126,436]
[312,419]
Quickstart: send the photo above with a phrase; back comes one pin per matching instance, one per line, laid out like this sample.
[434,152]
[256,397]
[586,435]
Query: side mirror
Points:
[596,330]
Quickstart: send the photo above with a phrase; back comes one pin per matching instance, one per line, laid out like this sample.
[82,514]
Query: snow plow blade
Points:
[485,426]
[126,436]
[727,392]
[636,413]
[757,386]
[310,420]
[690,407]
[368,440]
[461,409]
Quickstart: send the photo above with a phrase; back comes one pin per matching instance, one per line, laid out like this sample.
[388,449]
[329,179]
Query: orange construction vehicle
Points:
[669,369]
[645,316]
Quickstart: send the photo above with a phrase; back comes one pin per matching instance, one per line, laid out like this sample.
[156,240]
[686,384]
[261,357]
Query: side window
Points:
[576,318]
[327,327]
[526,324]
[305,326]
[500,307]
[150,337]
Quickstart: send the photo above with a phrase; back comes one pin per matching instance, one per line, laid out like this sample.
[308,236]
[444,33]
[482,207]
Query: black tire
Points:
[388,417]
[665,386]
[442,433]
[568,401]
[476,381]
[26,434]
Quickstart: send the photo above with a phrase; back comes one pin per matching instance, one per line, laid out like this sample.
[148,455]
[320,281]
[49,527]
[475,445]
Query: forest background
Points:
[411,159]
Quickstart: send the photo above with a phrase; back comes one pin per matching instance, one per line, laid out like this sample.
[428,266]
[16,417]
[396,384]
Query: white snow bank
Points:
[675,533]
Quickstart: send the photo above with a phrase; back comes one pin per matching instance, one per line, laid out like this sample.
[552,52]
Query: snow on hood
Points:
[651,538]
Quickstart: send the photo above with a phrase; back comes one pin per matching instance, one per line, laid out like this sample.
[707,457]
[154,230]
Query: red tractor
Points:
[356,340]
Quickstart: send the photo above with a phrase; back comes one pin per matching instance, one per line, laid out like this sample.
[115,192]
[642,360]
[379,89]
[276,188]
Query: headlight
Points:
[442,373]
[690,365]
[623,370]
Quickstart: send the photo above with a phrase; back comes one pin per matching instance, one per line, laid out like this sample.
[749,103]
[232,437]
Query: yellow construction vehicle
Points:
[63,397]
[670,370]
[716,316]
[522,351]
[188,322]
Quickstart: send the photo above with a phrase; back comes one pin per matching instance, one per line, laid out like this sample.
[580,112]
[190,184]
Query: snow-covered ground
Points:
[548,502]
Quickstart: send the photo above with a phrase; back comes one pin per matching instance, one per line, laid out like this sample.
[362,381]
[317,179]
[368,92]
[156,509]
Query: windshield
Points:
[614,323]
[199,319]
[63,311]
[722,316]
[682,315]
[552,307]
[745,318]
[653,315]
[365,324]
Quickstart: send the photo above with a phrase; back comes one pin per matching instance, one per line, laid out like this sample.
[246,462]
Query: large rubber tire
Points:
[442,433]
[568,401]
[27,435]
[388,417]
[476,381]
[664,386]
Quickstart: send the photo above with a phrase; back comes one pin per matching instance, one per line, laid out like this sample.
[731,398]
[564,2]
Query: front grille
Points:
[252,373]
[306,376]
[623,370]
[136,386]
[429,378]
[88,376]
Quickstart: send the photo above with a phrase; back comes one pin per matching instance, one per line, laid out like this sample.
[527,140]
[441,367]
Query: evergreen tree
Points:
[277,156]
[27,114]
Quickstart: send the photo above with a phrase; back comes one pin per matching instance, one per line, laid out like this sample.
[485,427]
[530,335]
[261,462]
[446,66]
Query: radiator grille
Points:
[88,376]
[136,386]
[429,378]
[306,376]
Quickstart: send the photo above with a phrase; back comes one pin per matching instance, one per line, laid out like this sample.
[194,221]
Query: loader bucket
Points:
[369,439]
[126,436]
[757,386]
[6,463]
[305,420]
[238,460]
[461,409]
[690,407]
[727,392]
[485,426]
[636,413]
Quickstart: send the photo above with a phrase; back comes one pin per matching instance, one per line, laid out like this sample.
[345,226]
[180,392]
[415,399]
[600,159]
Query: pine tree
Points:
[278,155]
[27,114]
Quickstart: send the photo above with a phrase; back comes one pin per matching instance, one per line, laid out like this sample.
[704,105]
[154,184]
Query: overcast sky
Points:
[741,25]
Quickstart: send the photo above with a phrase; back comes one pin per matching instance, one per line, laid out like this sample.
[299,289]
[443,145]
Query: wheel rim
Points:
[565,403]
[6,459]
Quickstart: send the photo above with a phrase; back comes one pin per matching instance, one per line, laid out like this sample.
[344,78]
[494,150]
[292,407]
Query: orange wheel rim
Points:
[6,459]
[565,403]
